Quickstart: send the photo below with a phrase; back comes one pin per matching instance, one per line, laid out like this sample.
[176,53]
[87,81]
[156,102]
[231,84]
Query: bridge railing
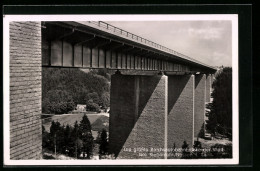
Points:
[127,34]
[137,38]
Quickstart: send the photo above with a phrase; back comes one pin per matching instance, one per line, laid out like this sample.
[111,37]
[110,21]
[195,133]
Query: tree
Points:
[201,134]
[67,140]
[58,102]
[197,149]
[79,85]
[54,132]
[94,97]
[220,113]
[185,150]
[102,72]
[77,142]
[105,98]
[103,141]
[45,138]
[91,106]
[86,136]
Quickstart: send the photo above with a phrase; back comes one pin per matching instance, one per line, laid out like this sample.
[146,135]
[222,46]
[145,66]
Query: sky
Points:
[209,42]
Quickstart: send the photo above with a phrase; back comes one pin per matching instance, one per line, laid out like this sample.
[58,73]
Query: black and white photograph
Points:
[121,89]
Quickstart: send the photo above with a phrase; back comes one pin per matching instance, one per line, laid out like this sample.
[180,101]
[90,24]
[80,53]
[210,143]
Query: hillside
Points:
[64,88]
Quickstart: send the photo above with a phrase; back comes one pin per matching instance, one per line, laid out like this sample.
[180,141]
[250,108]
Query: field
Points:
[98,121]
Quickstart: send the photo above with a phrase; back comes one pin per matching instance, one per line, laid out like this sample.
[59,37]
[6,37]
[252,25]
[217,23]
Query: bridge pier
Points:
[200,100]
[25,90]
[150,112]
[208,87]
[137,118]
[181,111]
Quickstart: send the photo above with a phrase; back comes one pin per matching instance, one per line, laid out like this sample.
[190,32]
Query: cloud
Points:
[206,33]
[207,41]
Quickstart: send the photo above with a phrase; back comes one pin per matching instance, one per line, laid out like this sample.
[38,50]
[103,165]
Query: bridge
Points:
[158,95]
[101,45]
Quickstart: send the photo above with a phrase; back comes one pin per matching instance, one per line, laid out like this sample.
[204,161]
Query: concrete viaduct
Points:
[158,95]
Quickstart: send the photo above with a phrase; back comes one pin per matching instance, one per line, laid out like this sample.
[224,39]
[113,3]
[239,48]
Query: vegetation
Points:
[103,142]
[58,101]
[220,113]
[71,141]
[64,88]
[200,152]
[91,106]
[185,151]
[197,150]
[101,123]
[221,151]
[202,132]
[86,136]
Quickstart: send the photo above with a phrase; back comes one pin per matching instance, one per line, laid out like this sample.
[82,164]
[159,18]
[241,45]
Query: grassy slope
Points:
[72,118]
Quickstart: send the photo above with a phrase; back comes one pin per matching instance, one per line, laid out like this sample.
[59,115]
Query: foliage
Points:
[202,132]
[220,113]
[45,138]
[56,137]
[185,151]
[101,123]
[197,150]
[103,72]
[75,85]
[71,141]
[86,136]
[91,106]
[105,98]
[103,141]
[216,151]
[94,98]
[221,151]
[47,157]
[58,101]
[77,142]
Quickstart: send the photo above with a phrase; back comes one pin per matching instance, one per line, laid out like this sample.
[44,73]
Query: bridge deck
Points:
[100,45]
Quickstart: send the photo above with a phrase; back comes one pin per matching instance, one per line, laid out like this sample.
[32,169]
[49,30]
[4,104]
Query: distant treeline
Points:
[64,88]
[220,113]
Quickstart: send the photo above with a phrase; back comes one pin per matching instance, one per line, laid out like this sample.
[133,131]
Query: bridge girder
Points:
[144,57]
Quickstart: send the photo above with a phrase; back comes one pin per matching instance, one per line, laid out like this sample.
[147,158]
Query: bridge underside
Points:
[159,111]
[66,44]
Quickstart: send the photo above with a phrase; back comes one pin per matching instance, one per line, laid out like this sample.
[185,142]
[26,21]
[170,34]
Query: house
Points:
[81,107]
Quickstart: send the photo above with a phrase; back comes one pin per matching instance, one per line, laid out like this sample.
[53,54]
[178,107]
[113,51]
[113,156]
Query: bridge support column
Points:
[25,90]
[200,99]
[137,118]
[181,111]
[208,87]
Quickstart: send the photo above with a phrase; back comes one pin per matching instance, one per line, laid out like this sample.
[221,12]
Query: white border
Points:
[235,141]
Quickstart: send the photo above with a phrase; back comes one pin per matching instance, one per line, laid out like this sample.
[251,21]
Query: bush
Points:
[197,150]
[91,106]
[221,151]
[185,151]
[48,157]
